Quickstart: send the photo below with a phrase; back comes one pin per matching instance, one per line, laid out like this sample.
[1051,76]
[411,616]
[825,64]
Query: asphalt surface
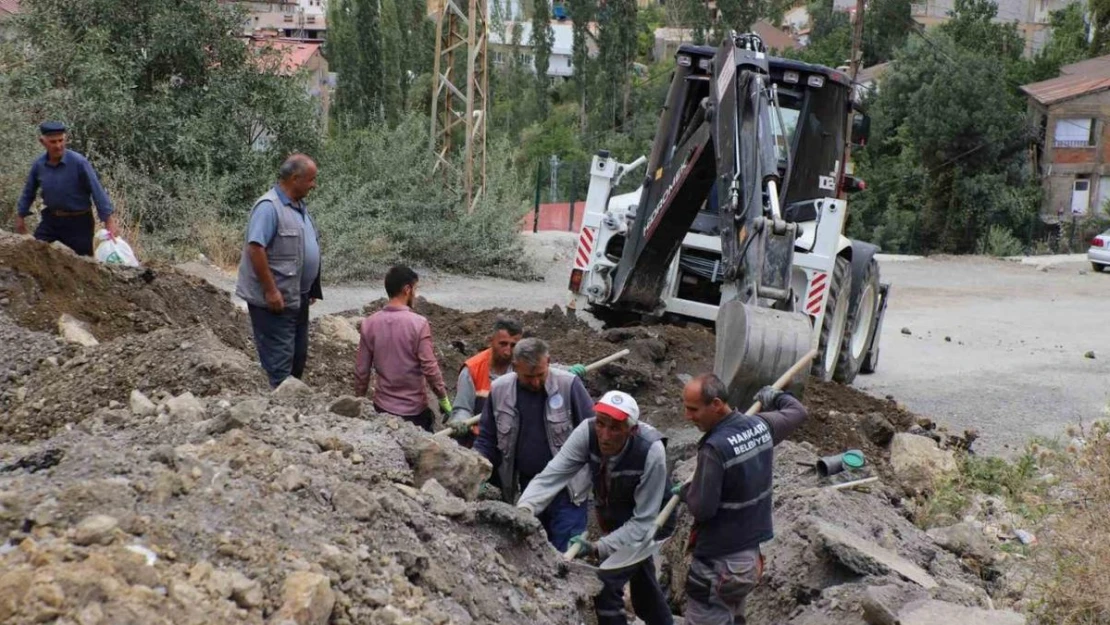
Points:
[1014,366]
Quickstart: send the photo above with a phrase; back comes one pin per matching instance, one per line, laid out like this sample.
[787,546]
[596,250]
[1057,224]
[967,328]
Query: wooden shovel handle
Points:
[572,553]
[783,380]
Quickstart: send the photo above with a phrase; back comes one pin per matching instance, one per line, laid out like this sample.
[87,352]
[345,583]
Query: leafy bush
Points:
[378,203]
[999,241]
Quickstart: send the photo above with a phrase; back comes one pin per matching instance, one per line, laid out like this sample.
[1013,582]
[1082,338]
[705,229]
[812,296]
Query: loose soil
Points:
[224,505]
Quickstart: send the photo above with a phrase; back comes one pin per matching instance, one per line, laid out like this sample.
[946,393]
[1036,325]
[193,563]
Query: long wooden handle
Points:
[572,553]
[783,380]
[590,367]
[608,359]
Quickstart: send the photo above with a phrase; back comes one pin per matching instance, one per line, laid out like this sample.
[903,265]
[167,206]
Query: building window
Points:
[311,19]
[1075,132]
[498,58]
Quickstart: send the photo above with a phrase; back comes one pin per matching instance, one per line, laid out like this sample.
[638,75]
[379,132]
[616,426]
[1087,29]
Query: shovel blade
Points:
[757,345]
[632,555]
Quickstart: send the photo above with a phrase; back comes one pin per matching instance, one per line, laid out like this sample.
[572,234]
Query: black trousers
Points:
[648,601]
[75,232]
[281,340]
[423,420]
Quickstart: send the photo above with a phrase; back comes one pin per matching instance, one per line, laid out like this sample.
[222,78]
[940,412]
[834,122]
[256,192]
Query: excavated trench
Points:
[211,499]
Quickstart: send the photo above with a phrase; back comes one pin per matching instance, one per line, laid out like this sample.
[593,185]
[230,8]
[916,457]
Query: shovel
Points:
[634,554]
[590,367]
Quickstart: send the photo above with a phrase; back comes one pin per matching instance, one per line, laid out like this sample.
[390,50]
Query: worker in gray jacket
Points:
[531,413]
[628,464]
[730,496]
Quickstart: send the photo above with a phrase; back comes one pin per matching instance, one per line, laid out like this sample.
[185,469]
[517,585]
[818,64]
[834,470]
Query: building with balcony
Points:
[1072,152]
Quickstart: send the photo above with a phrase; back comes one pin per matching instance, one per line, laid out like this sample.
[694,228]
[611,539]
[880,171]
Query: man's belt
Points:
[54,212]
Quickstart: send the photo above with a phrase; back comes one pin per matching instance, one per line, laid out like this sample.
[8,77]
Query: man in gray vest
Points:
[628,467]
[279,272]
[730,496]
[530,414]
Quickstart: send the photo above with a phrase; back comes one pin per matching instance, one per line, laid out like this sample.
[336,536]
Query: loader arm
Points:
[721,134]
[716,136]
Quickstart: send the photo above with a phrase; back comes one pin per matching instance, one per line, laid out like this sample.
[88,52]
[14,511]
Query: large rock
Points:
[931,612]
[458,469]
[355,501]
[98,529]
[141,406]
[867,558]
[964,539]
[249,410]
[918,463]
[185,407]
[338,329]
[291,387]
[347,406]
[307,599]
[879,429]
[74,331]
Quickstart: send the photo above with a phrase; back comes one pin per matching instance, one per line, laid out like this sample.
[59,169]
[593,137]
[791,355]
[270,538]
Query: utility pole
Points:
[459,94]
[857,41]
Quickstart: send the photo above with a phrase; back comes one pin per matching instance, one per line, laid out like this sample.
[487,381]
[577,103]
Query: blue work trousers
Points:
[648,601]
[74,231]
[562,520]
[281,340]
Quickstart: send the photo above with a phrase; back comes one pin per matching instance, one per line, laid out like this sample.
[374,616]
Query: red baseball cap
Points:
[618,405]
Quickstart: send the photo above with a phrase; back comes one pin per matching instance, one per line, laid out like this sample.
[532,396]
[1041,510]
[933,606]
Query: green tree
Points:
[946,160]
[159,85]
[543,37]
[354,52]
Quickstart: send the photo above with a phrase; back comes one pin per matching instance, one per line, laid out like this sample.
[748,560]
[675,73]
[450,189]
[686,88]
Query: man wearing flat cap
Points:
[69,187]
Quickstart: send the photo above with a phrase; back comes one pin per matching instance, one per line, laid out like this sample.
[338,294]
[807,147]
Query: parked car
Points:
[1099,252]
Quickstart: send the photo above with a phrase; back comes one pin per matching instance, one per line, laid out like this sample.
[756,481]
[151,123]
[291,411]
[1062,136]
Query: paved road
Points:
[1014,368]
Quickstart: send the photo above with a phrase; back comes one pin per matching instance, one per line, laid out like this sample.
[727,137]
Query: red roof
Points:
[11,7]
[1066,87]
[294,52]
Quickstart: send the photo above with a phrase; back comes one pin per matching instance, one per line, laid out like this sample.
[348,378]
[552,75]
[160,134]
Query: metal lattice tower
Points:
[459,99]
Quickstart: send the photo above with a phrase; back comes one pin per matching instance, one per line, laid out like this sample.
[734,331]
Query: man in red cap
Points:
[628,463]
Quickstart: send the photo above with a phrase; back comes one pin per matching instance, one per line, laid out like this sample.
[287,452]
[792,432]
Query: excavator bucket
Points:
[757,345]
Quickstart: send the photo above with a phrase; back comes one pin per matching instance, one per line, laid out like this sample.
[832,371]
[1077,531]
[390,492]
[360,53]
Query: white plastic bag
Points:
[114,251]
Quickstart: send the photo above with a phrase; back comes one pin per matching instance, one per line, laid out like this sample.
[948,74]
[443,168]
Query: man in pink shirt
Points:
[396,344]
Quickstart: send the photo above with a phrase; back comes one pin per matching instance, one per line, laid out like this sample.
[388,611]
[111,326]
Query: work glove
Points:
[459,428]
[767,396]
[588,548]
[578,370]
[445,405]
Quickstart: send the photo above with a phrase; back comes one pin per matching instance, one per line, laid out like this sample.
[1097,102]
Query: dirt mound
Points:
[185,519]
[41,282]
[69,390]
[662,359]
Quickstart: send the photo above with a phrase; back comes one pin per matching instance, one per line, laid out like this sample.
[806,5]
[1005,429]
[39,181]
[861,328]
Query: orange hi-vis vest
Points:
[478,366]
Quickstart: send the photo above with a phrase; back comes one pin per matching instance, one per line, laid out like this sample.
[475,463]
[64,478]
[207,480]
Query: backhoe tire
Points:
[861,321]
[835,323]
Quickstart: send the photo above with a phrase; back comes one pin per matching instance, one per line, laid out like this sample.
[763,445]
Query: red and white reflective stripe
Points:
[817,288]
[585,247]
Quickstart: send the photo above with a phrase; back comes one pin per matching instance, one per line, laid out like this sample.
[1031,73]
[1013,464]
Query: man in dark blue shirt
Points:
[69,186]
[531,412]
